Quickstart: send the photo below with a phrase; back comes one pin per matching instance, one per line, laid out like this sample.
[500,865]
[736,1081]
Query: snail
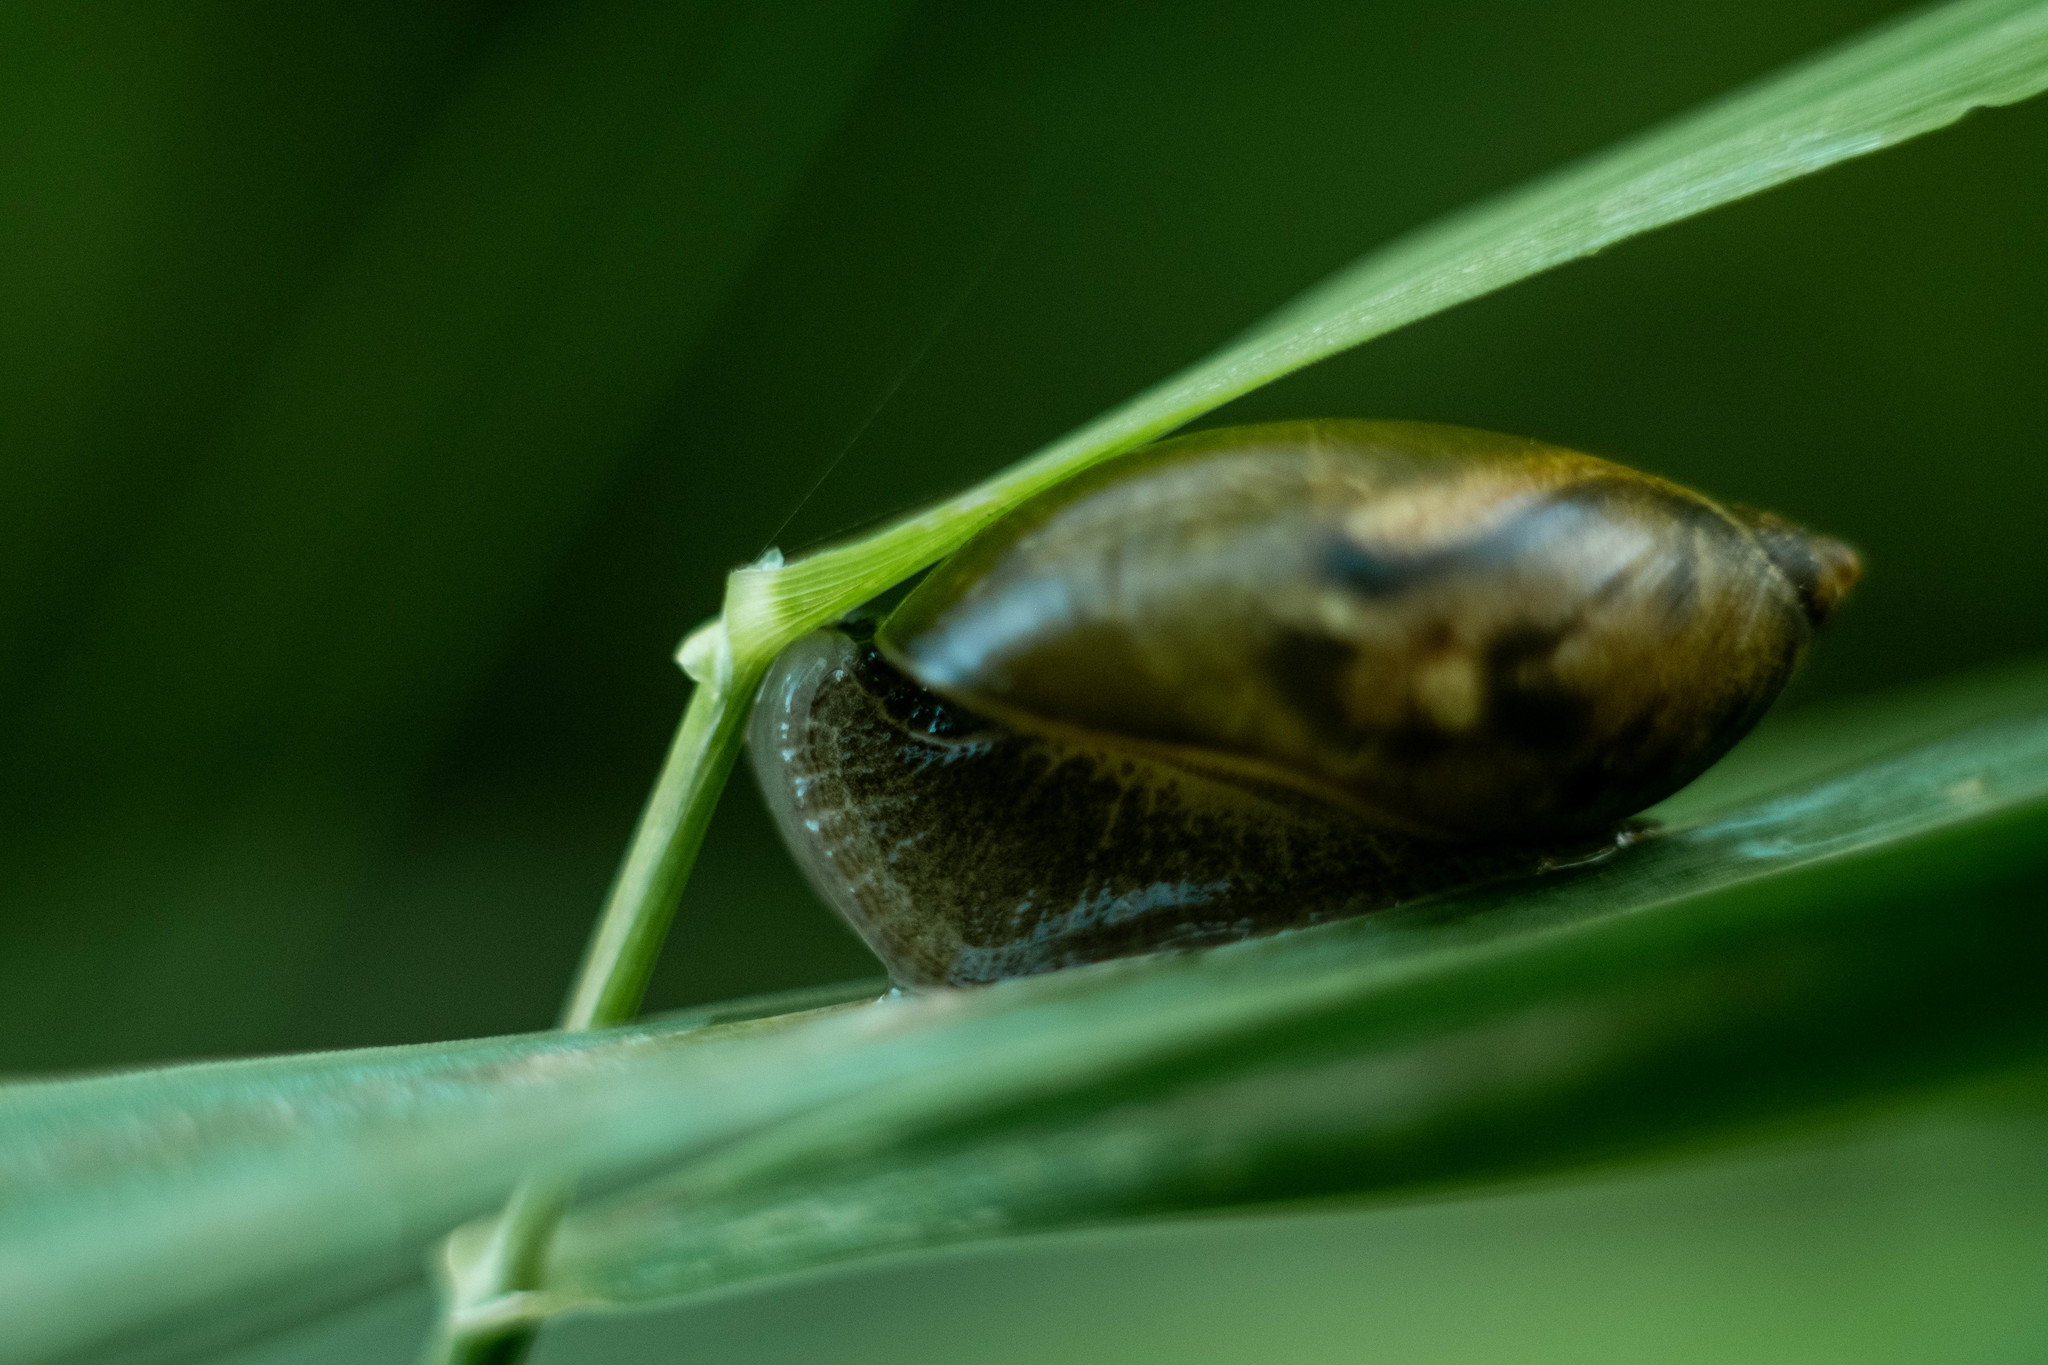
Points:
[1267,676]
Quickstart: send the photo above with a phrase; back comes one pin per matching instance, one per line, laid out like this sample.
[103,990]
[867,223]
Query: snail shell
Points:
[1265,676]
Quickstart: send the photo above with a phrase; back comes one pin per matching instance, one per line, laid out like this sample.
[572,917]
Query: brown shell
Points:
[1265,676]
[1459,633]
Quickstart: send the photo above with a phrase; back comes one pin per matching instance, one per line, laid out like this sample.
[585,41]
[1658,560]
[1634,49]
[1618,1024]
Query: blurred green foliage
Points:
[383,390]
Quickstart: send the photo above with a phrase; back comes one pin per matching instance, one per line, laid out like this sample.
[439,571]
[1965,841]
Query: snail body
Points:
[1265,676]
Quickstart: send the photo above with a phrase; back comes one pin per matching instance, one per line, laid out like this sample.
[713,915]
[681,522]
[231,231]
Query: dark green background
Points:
[385,388]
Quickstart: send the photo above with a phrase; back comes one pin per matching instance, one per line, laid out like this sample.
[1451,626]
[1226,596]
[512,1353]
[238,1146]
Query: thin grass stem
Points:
[610,984]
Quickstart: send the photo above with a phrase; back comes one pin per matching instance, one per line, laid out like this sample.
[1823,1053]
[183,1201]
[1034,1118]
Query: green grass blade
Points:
[644,1248]
[1906,1236]
[1787,955]
[1864,933]
[1882,89]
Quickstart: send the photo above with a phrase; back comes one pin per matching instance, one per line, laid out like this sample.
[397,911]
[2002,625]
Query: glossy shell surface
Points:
[1263,676]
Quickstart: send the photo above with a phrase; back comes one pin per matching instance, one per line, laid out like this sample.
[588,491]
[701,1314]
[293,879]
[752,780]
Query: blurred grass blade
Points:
[1882,89]
[1860,934]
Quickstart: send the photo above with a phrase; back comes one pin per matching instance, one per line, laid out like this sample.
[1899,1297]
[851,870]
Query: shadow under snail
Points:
[1267,676]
